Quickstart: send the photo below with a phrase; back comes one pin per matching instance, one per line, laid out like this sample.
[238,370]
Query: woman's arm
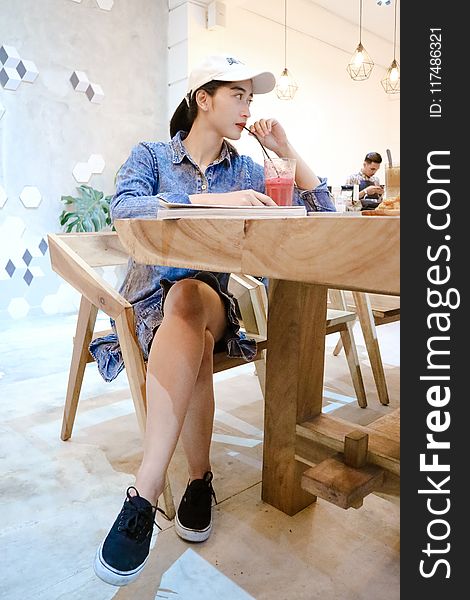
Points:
[310,190]
[136,187]
[137,184]
[305,178]
[272,135]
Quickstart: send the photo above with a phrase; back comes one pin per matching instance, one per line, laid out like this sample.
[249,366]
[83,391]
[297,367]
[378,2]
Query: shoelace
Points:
[135,519]
[193,494]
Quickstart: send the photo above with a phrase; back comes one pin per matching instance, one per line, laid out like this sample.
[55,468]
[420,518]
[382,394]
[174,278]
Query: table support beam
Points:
[294,386]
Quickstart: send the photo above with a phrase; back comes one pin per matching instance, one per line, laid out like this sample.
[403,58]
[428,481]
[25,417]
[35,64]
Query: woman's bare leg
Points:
[196,434]
[192,311]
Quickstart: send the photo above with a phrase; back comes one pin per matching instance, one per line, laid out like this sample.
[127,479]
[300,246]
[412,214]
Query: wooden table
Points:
[302,257]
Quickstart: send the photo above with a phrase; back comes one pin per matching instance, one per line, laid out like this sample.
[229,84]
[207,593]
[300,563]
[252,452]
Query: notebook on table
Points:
[173,210]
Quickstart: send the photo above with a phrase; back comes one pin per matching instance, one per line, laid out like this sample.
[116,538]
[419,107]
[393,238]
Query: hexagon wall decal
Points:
[36,271]
[27,70]
[95,93]
[66,295]
[30,196]
[105,4]
[11,229]
[42,246]
[10,268]
[15,69]
[28,277]
[96,163]
[9,56]
[9,78]
[2,110]
[82,172]
[50,304]
[27,257]
[18,308]
[79,81]
[3,197]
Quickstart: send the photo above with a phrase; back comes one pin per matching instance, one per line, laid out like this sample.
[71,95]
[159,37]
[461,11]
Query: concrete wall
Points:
[48,127]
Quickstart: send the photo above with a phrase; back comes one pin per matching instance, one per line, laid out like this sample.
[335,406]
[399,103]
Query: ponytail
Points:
[184,115]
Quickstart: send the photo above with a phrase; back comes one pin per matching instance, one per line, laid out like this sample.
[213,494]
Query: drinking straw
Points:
[264,149]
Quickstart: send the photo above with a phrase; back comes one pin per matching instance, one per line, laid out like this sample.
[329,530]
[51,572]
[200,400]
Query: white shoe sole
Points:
[112,576]
[192,535]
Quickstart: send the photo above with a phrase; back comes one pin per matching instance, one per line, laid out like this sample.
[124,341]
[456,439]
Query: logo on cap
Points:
[233,61]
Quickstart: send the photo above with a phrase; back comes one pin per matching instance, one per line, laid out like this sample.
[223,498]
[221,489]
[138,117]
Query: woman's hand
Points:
[239,198]
[271,134]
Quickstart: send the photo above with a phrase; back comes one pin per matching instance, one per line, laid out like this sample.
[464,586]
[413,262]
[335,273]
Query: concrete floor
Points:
[59,498]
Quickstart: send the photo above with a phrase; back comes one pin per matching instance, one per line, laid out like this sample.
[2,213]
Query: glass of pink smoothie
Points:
[279,174]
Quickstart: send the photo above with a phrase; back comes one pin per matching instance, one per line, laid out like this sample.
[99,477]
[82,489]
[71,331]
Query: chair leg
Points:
[168,501]
[338,347]
[346,340]
[338,301]
[136,371]
[134,362]
[83,335]
[260,366]
[350,350]
[366,318]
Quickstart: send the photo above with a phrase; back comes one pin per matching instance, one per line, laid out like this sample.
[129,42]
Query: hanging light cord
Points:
[285,34]
[395,30]
[360,23]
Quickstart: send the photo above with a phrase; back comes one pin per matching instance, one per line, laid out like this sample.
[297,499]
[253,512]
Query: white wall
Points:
[332,121]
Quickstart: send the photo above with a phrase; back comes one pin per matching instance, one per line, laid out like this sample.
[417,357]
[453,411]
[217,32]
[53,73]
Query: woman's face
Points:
[229,108]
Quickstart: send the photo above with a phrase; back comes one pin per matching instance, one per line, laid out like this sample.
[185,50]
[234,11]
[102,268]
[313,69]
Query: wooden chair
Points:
[338,320]
[372,310]
[74,256]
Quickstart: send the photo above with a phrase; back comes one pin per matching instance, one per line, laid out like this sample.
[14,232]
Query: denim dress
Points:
[166,170]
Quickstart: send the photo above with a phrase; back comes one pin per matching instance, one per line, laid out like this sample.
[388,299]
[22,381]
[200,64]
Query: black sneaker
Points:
[193,521]
[123,553]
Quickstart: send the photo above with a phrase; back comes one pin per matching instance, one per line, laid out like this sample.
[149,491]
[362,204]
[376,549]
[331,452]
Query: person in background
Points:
[183,315]
[370,190]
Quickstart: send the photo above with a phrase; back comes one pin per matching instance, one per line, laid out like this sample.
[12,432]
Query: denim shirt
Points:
[166,170]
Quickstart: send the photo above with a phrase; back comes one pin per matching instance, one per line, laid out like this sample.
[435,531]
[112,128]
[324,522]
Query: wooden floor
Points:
[59,498]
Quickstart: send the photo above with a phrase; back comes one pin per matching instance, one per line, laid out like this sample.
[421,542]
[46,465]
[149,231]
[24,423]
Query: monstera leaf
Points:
[90,210]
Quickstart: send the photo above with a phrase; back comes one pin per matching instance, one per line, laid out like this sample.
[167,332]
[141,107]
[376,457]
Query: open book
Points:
[173,210]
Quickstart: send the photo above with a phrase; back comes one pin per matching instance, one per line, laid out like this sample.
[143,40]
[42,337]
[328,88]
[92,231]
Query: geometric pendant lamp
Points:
[360,66]
[286,85]
[391,81]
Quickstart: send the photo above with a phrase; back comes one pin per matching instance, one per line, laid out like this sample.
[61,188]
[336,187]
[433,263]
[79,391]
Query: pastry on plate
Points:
[390,203]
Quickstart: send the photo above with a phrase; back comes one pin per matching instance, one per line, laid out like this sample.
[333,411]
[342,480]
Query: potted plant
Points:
[90,210]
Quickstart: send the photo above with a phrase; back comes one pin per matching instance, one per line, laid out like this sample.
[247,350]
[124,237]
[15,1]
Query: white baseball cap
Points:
[220,67]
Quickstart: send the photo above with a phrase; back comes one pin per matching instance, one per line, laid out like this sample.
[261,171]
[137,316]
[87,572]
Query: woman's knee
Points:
[186,299]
